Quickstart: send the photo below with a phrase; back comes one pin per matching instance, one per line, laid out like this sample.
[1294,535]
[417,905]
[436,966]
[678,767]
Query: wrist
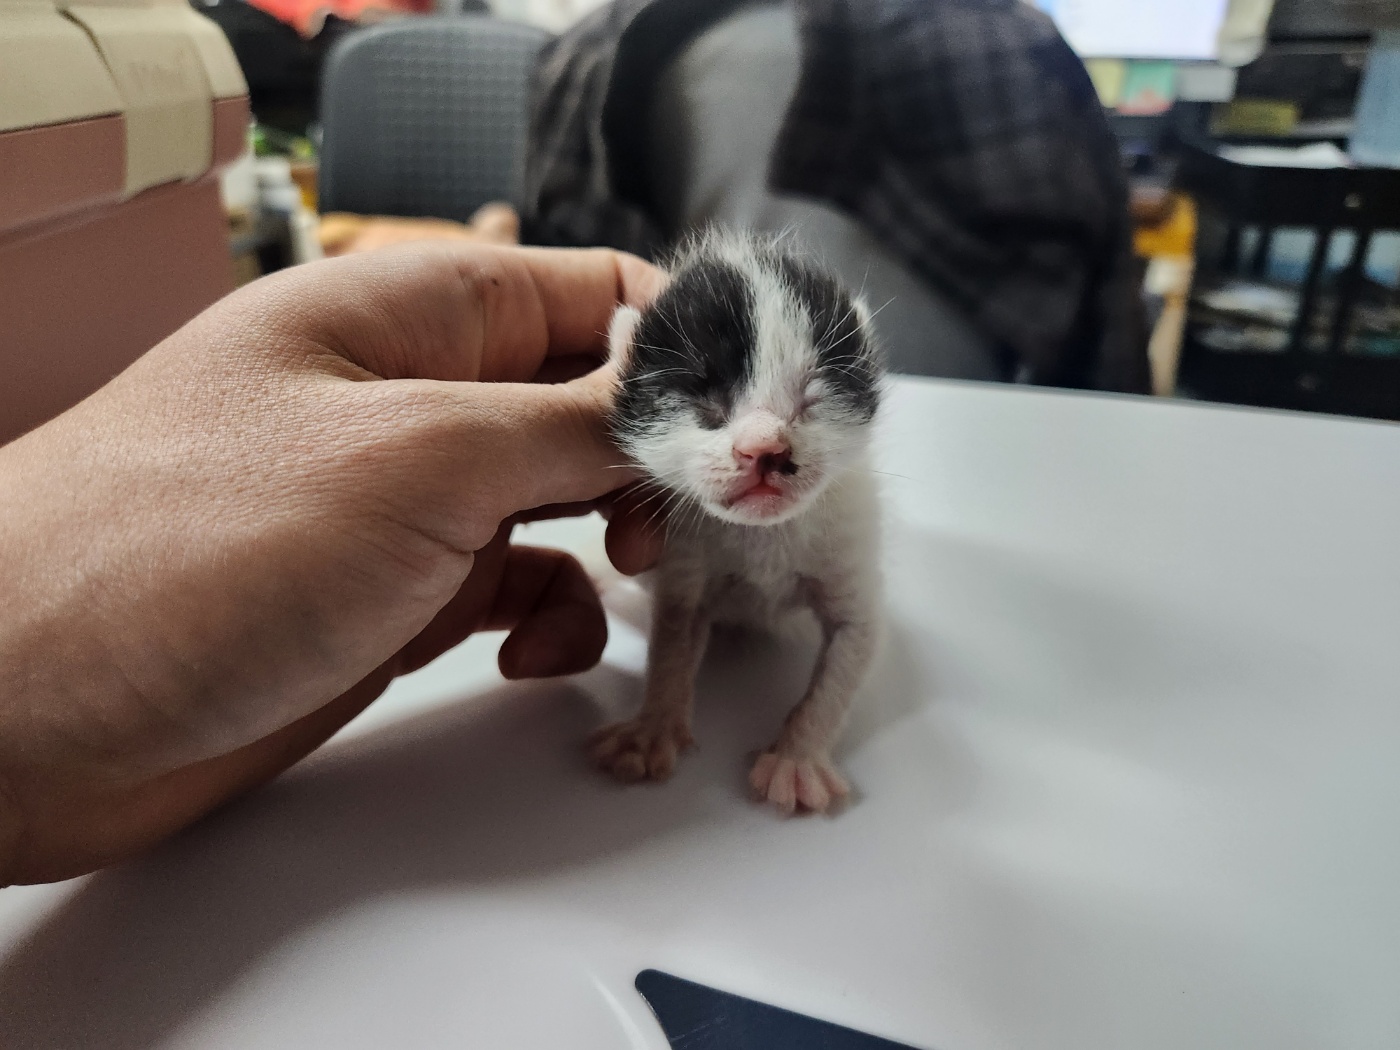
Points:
[57,676]
[67,700]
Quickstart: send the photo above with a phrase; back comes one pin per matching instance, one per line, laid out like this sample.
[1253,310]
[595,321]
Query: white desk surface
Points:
[1129,775]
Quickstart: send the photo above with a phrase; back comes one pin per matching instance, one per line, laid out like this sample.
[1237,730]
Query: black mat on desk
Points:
[695,1017]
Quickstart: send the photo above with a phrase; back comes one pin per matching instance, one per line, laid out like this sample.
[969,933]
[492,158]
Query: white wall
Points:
[554,15]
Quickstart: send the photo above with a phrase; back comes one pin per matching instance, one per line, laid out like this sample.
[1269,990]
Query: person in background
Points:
[949,155]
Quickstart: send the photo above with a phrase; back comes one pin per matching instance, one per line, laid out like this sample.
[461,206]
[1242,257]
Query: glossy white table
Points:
[1129,775]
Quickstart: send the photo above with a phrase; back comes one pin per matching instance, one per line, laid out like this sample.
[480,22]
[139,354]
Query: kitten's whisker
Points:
[673,353]
[672,326]
[853,332]
[836,322]
[876,313]
[667,506]
[855,355]
[882,473]
[660,494]
[657,374]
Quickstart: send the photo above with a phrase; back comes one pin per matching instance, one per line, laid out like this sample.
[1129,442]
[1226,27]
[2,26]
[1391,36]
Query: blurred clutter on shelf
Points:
[1196,197]
[1275,273]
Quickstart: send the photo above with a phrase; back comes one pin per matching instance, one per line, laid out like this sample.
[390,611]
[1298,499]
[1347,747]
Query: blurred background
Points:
[1193,198]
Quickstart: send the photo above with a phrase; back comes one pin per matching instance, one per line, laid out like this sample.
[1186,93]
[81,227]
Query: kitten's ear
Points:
[621,331]
[862,311]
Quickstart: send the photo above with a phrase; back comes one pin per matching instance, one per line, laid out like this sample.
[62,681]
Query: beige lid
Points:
[169,64]
[49,71]
[220,63]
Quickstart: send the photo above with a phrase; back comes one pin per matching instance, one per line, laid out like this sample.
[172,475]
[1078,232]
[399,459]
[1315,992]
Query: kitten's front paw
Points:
[644,748]
[813,784]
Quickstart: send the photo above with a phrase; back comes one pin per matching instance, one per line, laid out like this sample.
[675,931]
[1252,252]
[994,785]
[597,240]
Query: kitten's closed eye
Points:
[712,414]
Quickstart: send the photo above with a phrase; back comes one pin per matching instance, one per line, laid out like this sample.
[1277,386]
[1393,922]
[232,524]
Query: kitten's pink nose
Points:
[764,455]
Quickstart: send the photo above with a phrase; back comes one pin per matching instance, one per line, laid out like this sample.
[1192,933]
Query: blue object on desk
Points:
[695,1017]
[1376,140]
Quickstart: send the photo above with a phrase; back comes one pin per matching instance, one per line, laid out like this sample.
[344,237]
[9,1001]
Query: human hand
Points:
[221,557]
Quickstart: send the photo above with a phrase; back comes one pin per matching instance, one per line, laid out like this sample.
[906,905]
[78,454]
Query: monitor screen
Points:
[1179,29]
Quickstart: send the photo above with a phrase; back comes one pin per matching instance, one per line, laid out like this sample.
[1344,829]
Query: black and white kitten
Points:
[748,392]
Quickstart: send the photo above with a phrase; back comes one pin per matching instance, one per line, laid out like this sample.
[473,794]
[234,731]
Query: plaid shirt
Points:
[965,134]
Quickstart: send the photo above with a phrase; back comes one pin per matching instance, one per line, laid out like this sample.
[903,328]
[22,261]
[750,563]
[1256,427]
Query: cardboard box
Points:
[116,117]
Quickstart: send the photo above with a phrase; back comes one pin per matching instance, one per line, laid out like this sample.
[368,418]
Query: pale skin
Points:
[228,552]
[797,771]
[646,747]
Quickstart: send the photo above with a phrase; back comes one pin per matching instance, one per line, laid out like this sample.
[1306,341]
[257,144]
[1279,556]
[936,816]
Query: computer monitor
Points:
[1170,29]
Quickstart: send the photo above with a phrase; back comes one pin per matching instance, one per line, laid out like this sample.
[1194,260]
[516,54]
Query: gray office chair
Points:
[427,116]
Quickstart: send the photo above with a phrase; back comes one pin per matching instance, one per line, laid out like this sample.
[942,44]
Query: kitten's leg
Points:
[797,770]
[646,747]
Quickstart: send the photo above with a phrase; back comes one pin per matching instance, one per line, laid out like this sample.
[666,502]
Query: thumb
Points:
[525,445]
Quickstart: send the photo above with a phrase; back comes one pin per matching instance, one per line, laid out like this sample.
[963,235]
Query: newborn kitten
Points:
[747,395]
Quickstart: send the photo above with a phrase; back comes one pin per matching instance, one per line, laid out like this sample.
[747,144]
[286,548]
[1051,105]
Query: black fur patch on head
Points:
[695,342]
[846,358]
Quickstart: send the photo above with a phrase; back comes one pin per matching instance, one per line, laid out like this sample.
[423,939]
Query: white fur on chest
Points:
[758,574]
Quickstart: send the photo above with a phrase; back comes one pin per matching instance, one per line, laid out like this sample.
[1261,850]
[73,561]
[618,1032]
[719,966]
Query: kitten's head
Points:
[749,384]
